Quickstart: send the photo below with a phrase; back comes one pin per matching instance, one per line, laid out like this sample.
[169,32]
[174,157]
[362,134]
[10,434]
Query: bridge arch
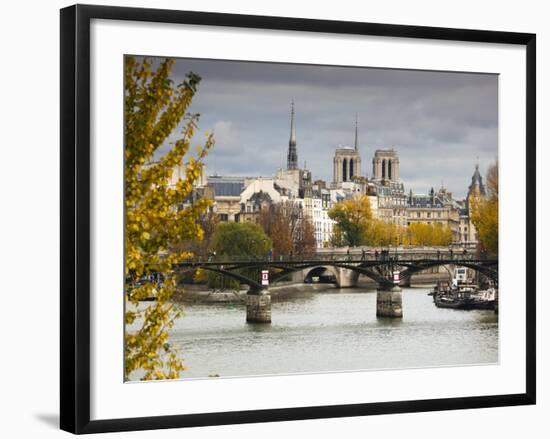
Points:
[412,269]
[320,271]
[372,272]
[254,285]
[347,275]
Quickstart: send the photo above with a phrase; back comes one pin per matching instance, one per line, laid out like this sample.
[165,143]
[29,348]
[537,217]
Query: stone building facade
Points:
[252,207]
[392,202]
[226,192]
[316,208]
[435,208]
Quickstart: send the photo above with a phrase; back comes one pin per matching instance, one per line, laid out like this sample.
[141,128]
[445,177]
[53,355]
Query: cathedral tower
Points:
[385,165]
[346,163]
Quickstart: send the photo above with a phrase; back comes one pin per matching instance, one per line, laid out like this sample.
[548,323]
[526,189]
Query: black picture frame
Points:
[75,217]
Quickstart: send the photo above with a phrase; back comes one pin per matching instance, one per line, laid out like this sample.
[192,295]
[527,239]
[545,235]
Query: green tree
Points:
[238,240]
[484,213]
[352,219]
[153,108]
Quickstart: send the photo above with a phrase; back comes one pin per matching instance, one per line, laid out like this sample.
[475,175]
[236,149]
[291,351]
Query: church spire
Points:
[292,157]
[356,141]
[477,183]
[292,128]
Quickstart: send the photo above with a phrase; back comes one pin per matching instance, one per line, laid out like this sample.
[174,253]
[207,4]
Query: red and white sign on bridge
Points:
[396,277]
[265,277]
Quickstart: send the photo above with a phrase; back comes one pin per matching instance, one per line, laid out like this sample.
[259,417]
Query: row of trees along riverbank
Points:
[355,226]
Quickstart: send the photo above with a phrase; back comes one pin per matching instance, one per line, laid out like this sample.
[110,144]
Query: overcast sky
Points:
[440,123]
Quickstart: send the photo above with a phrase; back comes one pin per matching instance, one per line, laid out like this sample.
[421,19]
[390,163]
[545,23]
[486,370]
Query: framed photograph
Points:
[273,218]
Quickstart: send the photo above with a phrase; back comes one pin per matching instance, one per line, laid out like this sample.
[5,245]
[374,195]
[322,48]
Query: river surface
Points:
[332,330]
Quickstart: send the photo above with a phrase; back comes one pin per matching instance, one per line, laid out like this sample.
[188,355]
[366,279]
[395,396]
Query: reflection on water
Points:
[332,330]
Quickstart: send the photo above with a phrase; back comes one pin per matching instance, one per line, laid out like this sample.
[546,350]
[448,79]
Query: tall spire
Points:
[292,157]
[476,178]
[477,182]
[292,128]
[356,141]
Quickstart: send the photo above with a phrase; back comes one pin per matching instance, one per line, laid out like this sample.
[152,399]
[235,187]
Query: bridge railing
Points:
[353,256]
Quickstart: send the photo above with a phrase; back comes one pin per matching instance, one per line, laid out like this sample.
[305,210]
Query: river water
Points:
[332,330]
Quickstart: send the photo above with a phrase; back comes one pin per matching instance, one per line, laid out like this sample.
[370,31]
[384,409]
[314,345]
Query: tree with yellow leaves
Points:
[155,217]
[380,233]
[352,219]
[484,213]
[430,234]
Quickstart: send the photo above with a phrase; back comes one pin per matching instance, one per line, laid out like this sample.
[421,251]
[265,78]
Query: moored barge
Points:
[461,294]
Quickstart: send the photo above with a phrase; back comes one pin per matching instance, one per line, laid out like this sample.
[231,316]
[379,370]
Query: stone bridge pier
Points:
[389,301]
[346,278]
[258,307]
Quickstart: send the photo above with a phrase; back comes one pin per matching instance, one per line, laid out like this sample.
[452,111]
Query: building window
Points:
[429,214]
[418,214]
[224,217]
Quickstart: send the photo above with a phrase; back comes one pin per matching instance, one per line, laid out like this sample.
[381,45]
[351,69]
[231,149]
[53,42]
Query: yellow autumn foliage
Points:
[154,224]
[380,233]
[356,225]
[352,219]
[484,213]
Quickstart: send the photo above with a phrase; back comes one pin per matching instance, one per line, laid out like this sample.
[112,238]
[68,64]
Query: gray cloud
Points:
[441,123]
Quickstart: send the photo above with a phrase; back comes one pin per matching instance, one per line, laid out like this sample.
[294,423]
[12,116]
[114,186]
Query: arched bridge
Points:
[379,267]
[346,267]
